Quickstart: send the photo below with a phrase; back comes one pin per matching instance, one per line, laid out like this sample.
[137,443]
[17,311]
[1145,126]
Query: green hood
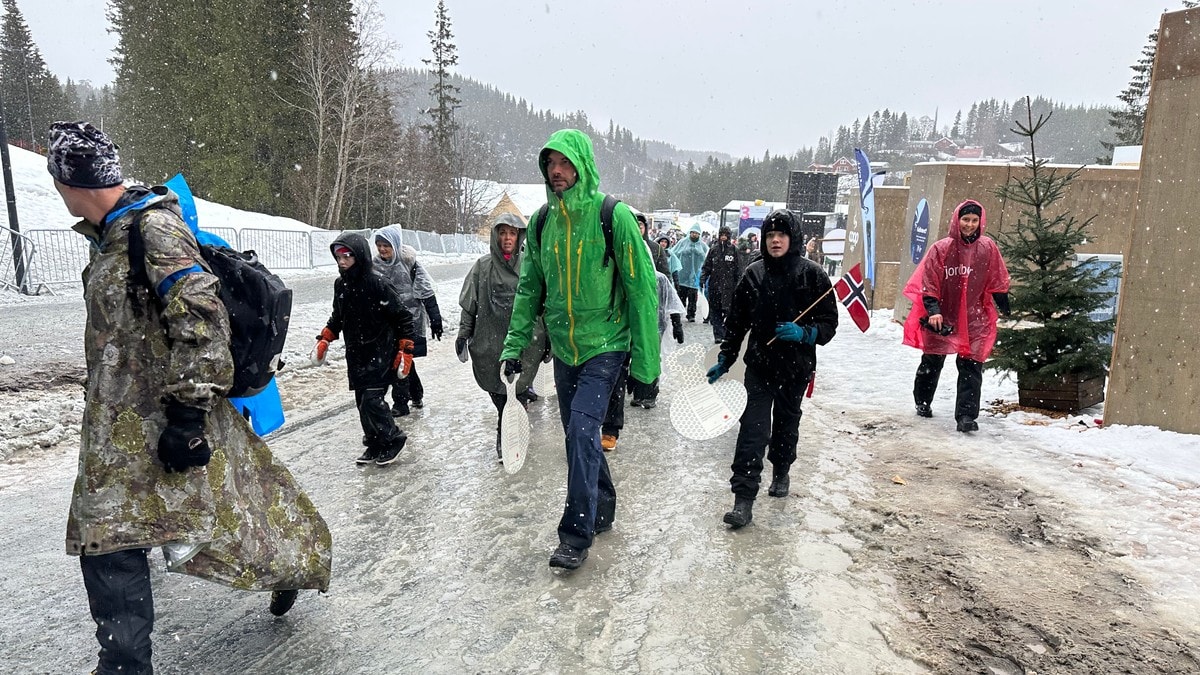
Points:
[578,148]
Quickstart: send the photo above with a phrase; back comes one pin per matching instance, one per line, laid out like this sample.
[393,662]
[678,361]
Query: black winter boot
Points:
[741,514]
[923,410]
[282,601]
[966,424]
[779,483]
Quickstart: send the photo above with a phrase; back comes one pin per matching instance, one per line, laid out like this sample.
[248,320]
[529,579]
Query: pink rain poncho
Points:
[962,277]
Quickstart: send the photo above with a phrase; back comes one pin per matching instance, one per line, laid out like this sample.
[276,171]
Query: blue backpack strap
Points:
[137,252]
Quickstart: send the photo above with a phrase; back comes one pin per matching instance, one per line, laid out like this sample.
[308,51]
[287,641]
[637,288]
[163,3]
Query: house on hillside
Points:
[842,165]
[523,199]
[945,145]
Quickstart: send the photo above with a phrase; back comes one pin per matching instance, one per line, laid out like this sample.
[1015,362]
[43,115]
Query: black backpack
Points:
[259,306]
[606,225]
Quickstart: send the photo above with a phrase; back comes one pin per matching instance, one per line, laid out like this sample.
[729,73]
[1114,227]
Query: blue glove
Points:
[718,370]
[793,333]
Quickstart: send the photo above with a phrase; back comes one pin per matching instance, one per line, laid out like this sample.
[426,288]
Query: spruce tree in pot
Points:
[1050,342]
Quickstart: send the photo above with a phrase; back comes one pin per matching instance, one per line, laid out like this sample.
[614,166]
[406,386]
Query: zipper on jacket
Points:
[562,207]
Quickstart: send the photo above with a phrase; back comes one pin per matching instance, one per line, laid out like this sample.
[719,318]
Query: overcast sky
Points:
[739,77]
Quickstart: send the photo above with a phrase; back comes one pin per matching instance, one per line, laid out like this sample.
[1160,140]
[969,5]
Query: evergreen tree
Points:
[224,118]
[1128,121]
[1051,296]
[32,95]
[442,127]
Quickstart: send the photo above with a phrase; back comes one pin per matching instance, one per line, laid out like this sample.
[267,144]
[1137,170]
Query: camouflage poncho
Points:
[261,530]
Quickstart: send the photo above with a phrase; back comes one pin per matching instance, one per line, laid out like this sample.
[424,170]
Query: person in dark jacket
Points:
[722,268]
[379,343]
[657,254]
[780,358]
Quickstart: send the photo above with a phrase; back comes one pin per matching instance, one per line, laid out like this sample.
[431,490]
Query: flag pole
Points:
[806,311]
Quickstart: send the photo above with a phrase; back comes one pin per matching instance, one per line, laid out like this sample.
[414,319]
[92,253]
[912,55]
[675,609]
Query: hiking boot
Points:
[691,319]
[391,453]
[923,410]
[608,442]
[636,403]
[568,557]
[779,485]
[400,409]
[367,457]
[741,514]
[418,404]
[649,403]
[966,424]
[282,601]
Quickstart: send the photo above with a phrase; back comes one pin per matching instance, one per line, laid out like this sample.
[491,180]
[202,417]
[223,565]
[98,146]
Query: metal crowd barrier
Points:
[57,256]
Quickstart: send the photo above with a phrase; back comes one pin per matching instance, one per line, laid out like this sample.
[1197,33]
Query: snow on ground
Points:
[39,207]
[1136,486]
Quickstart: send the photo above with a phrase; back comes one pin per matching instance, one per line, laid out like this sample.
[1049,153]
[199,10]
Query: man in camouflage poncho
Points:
[164,459]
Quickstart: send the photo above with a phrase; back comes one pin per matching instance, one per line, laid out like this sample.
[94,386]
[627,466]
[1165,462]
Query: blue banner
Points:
[866,194]
[920,231]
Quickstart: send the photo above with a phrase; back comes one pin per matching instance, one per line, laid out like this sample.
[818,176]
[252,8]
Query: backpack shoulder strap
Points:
[606,224]
[541,215]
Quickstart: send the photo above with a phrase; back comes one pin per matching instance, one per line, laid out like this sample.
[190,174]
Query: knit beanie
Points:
[82,156]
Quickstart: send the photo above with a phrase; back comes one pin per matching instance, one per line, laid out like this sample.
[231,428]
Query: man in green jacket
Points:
[597,311]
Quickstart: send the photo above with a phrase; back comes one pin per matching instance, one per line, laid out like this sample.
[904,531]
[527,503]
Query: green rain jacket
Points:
[586,313]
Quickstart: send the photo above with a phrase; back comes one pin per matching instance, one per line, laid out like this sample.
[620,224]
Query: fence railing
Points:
[54,257]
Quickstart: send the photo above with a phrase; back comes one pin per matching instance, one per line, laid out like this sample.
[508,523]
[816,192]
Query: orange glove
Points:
[323,341]
[404,360]
[403,364]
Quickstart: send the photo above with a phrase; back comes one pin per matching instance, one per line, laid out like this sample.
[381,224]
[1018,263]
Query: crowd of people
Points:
[584,288]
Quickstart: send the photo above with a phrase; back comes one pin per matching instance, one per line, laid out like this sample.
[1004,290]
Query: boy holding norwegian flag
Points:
[780,357]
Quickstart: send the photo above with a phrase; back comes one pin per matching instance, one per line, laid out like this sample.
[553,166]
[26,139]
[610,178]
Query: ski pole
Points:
[806,310]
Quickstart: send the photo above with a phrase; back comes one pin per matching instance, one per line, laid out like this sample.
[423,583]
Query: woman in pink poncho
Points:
[956,291]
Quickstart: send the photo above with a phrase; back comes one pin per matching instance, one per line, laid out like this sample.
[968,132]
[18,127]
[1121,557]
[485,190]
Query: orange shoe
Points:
[609,443]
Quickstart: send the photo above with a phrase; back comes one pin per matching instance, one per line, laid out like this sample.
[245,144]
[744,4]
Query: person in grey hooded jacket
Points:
[487,303]
[397,262]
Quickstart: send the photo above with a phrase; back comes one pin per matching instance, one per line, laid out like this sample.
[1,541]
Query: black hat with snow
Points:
[82,156]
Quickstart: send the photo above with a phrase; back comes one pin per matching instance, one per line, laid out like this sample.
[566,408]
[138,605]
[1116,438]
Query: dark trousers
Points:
[970,381]
[118,589]
[378,426]
[583,394]
[614,419]
[410,388]
[771,419]
[716,317]
[688,297]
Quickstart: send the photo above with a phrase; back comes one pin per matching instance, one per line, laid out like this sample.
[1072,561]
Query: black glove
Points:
[182,445]
[460,348]
[435,316]
[677,328]
[512,367]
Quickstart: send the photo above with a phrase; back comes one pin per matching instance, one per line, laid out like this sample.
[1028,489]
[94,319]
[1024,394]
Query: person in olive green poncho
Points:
[596,312]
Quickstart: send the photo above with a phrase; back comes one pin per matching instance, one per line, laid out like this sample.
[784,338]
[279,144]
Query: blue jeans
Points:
[583,393]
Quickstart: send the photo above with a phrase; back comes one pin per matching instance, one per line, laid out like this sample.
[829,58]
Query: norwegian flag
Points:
[849,290]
